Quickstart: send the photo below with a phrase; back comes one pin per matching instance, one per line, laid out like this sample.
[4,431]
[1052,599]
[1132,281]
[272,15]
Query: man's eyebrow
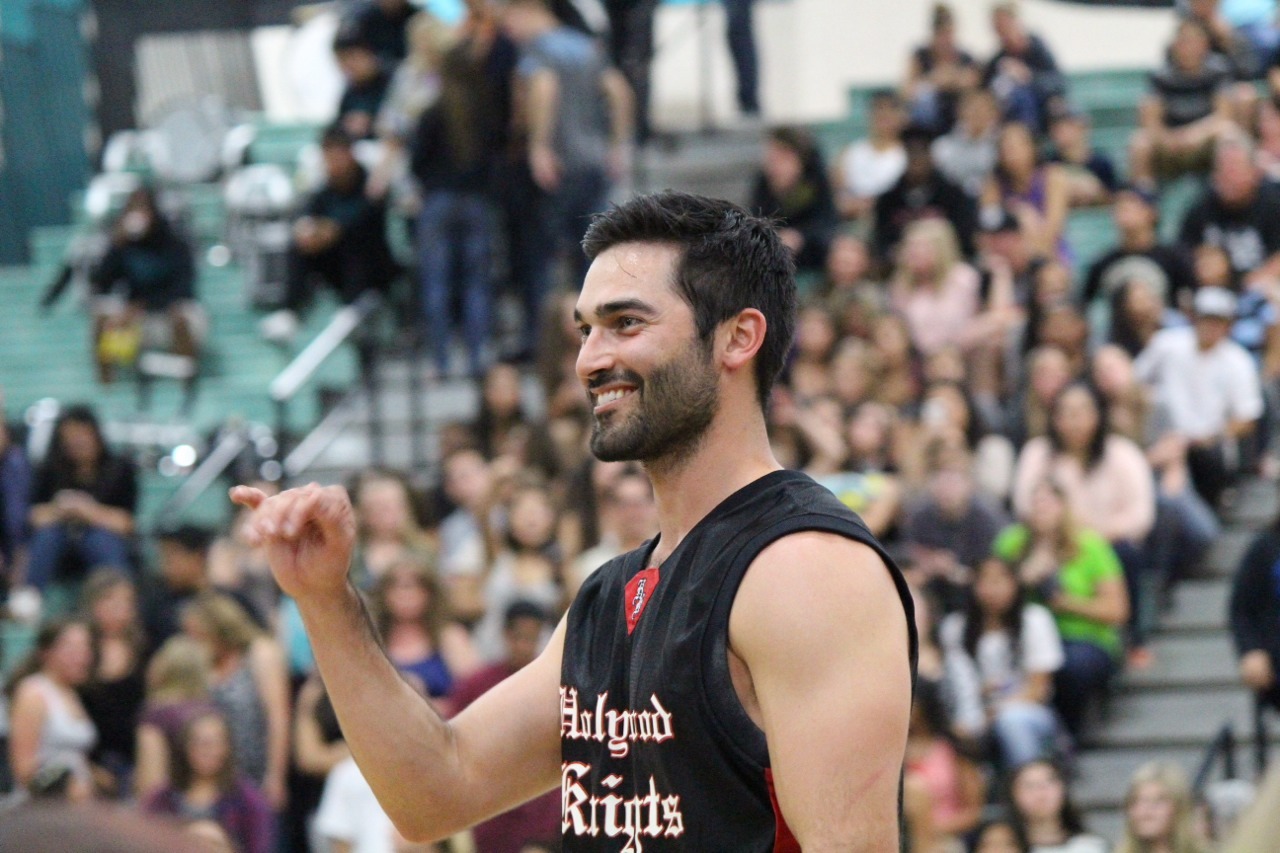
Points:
[618,306]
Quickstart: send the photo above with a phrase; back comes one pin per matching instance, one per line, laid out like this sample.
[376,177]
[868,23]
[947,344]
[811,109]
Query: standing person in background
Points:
[579,113]
[83,502]
[740,32]
[457,147]
[792,187]
[939,74]
[367,81]
[384,25]
[631,50]
[869,167]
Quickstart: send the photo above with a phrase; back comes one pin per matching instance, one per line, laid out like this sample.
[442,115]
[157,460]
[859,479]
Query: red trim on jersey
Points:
[639,592]
[783,840]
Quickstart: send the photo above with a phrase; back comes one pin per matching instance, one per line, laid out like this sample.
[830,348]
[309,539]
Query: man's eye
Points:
[583,331]
[628,322]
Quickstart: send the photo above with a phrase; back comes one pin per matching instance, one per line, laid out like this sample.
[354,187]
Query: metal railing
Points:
[346,321]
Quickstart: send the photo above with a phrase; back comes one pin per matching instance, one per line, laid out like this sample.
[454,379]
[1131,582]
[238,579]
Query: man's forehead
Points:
[629,272]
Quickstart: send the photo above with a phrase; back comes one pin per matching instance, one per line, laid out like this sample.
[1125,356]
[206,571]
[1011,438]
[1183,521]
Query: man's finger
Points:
[247,496]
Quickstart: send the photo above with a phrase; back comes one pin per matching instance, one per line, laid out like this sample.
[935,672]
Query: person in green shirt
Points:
[1076,574]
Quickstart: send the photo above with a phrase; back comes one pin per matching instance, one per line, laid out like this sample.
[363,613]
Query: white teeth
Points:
[610,396]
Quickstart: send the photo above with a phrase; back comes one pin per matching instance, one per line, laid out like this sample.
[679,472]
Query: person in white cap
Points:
[1209,387]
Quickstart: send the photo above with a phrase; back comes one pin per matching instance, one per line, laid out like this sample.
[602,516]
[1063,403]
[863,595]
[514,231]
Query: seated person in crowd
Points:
[1256,327]
[868,167]
[82,503]
[967,154]
[1238,212]
[1138,312]
[938,73]
[1209,386]
[922,192]
[1233,47]
[1035,192]
[1091,176]
[367,81]
[792,187]
[1188,109]
[340,238]
[145,286]
[524,630]
[950,528]
[1023,73]
[1013,647]
[1138,253]
[1043,810]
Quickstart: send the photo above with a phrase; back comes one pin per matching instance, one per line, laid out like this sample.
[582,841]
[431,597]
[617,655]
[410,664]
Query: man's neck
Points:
[733,453]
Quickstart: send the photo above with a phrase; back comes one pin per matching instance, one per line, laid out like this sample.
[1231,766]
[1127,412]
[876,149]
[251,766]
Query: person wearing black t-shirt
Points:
[384,26]
[1138,255]
[1239,213]
[83,503]
[921,192]
[1188,109]
[367,82]
[1023,73]
[741,682]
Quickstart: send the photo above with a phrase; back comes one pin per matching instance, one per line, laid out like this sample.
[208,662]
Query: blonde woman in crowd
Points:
[388,527]
[250,684]
[1157,810]
[177,692]
[934,290]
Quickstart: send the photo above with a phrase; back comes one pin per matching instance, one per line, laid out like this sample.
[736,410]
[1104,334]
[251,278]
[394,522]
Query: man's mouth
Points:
[606,398]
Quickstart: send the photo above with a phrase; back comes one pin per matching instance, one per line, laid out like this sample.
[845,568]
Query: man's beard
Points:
[670,413]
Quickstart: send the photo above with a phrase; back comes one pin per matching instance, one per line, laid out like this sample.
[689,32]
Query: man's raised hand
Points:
[308,534]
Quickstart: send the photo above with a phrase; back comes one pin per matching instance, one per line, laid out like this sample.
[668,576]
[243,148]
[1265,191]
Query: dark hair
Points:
[730,261]
[182,774]
[1000,171]
[941,17]
[1019,833]
[1010,621]
[336,136]
[188,537]
[1068,816]
[1098,444]
[46,638]
[57,462]
[99,584]
[976,428]
[884,96]
[522,609]
[434,616]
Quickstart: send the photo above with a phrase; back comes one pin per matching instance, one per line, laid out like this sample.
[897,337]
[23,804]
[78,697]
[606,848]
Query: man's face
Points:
[1211,331]
[339,163]
[523,636]
[652,385]
[358,64]
[1132,212]
[181,568]
[1235,177]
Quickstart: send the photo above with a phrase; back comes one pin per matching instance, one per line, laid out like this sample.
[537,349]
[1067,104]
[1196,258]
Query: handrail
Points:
[205,475]
[1224,745]
[345,321]
[314,443]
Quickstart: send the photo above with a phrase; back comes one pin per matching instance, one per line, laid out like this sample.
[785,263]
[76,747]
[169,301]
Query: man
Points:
[1188,109]
[1023,73]
[1139,255]
[524,629]
[384,26]
[1091,176]
[921,192]
[967,154]
[949,530]
[1238,213]
[341,238]
[745,678]
[1209,387]
[579,117]
[367,82]
[869,167]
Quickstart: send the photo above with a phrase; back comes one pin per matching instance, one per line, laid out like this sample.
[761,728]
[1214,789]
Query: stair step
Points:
[1102,777]
[1198,605]
[1195,662]
[1176,718]
[1225,553]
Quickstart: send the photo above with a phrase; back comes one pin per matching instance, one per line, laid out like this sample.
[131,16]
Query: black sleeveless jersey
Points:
[658,753]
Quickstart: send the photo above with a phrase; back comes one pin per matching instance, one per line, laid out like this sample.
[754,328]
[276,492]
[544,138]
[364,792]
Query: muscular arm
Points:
[833,699]
[432,777]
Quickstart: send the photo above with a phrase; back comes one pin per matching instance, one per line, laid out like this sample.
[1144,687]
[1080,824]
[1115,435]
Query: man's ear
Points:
[742,337]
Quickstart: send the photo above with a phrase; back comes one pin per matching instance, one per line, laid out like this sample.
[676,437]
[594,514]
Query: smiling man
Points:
[741,682]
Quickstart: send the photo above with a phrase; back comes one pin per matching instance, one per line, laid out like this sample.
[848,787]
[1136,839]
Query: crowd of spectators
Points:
[1046,441]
